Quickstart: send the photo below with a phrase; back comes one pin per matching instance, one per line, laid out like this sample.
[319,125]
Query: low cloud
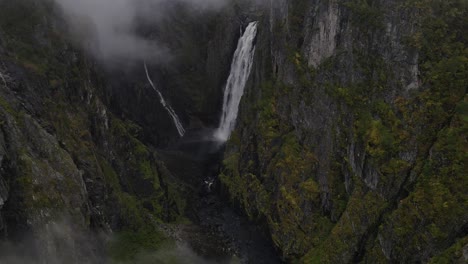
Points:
[54,242]
[108,28]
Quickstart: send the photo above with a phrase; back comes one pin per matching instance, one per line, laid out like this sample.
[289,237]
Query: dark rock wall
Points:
[201,47]
[70,169]
[348,110]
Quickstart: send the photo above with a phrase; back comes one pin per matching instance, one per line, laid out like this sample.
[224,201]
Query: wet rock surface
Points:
[219,231]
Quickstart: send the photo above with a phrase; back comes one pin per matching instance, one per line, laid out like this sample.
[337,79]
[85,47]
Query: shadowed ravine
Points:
[218,232]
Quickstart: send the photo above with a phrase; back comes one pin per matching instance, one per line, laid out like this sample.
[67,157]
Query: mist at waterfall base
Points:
[240,71]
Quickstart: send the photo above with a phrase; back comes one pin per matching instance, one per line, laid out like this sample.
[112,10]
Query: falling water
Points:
[169,109]
[240,71]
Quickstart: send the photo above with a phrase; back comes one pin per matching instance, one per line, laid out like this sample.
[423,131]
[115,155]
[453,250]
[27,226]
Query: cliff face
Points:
[201,45]
[351,140]
[70,169]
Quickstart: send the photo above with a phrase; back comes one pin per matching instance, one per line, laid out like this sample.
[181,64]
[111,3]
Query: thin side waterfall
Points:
[240,71]
[172,113]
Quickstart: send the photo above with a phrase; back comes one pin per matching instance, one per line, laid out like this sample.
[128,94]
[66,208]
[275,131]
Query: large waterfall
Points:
[168,107]
[240,71]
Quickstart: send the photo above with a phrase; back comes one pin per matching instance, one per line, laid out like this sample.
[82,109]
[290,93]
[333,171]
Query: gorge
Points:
[267,131]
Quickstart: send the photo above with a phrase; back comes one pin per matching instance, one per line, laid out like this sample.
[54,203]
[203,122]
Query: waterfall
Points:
[240,71]
[168,107]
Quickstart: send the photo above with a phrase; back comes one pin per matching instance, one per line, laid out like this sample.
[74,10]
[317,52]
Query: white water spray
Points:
[240,71]
[169,109]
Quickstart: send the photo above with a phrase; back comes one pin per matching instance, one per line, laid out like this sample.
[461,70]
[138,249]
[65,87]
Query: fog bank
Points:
[108,28]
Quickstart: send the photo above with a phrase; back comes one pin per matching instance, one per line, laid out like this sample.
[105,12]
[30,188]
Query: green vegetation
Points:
[297,17]
[128,245]
[140,211]
[292,166]
[30,40]
[437,208]
[8,108]
[397,171]
[454,254]
[366,15]
[99,147]
[34,195]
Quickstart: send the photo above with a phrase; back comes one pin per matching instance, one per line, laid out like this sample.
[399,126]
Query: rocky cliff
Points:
[350,144]
[351,140]
[72,172]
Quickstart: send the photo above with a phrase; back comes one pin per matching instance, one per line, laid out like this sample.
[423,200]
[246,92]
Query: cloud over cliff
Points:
[108,28]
